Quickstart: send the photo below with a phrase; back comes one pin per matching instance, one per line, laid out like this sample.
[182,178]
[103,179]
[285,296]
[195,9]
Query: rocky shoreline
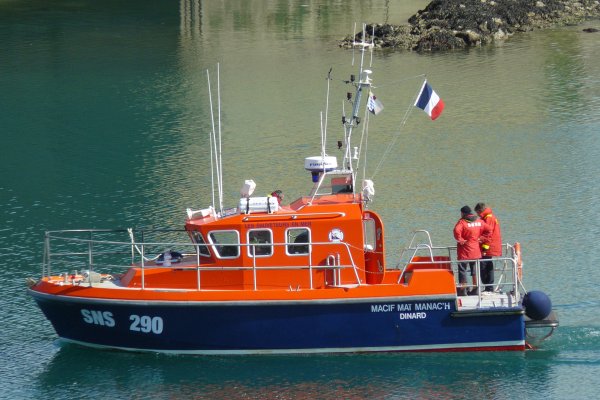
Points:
[459,24]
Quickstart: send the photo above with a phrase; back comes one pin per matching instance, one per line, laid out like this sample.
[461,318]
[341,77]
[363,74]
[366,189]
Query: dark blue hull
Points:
[283,327]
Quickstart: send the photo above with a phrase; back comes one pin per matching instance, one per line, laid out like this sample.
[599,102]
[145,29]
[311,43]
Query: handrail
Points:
[96,248]
[415,232]
[416,249]
[91,246]
[508,262]
[332,214]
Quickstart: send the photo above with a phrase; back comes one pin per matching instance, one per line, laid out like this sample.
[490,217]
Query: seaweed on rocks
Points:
[458,24]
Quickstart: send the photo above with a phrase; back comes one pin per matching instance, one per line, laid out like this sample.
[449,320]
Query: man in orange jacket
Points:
[491,245]
[468,232]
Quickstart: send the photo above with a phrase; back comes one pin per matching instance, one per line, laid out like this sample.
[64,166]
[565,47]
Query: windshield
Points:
[333,183]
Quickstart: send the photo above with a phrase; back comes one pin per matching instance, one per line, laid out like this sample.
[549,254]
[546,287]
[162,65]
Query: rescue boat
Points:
[262,278]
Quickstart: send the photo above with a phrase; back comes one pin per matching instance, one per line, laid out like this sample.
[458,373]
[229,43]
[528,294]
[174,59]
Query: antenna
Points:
[353,42]
[324,126]
[372,45]
[220,141]
[215,142]
[322,134]
[212,141]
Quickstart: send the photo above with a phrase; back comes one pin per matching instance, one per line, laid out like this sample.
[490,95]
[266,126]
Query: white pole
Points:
[220,137]
[324,131]
[213,136]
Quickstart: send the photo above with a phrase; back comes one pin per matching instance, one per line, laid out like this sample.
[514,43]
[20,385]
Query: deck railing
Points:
[96,250]
[507,268]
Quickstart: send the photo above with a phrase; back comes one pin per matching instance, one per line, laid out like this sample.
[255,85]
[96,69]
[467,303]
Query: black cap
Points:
[466,210]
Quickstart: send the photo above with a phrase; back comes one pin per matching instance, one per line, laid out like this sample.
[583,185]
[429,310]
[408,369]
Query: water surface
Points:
[105,117]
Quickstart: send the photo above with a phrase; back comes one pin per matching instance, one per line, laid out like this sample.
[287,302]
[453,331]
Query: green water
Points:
[104,120]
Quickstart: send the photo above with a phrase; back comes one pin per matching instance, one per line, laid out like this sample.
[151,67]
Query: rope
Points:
[397,135]
[130,231]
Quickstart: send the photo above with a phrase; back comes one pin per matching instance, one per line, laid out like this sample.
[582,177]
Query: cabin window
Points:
[338,183]
[201,244]
[260,242]
[369,234]
[225,243]
[298,235]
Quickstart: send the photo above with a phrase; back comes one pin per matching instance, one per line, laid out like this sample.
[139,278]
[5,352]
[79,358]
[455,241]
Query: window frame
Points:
[265,244]
[291,245]
[194,235]
[215,246]
[369,233]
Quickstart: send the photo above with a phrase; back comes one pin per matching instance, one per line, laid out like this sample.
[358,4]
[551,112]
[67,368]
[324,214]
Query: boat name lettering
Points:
[402,307]
[413,315]
[104,318]
[432,306]
[146,324]
[279,224]
[383,307]
[391,307]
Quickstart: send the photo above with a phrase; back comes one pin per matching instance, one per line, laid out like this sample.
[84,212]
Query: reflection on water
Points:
[190,18]
[373,376]
[376,376]
[567,69]
[319,18]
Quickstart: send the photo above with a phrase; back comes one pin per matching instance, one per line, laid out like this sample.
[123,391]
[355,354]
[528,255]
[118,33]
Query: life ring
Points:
[519,260]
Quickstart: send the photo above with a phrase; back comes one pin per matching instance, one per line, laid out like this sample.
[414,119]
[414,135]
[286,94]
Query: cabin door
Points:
[373,248]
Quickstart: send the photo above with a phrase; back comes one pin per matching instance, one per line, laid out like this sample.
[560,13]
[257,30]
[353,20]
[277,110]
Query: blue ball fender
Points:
[537,305]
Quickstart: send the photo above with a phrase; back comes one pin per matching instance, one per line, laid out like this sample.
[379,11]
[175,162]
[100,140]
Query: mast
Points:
[364,83]
[323,165]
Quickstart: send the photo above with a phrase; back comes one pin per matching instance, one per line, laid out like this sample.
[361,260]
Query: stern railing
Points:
[423,252]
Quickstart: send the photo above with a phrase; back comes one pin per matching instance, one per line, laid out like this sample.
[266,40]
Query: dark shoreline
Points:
[456,24]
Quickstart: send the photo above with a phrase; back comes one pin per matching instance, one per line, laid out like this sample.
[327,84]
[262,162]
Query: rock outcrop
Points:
[457,24]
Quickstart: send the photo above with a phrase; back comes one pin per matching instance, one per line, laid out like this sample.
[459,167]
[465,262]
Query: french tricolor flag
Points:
[429,101]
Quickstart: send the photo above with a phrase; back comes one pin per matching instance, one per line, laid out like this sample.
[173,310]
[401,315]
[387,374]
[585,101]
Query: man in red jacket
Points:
[491,245]
[467,232]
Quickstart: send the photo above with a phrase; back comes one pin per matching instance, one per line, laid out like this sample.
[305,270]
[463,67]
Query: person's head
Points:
[279,194]
[480,207]
[466,210]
